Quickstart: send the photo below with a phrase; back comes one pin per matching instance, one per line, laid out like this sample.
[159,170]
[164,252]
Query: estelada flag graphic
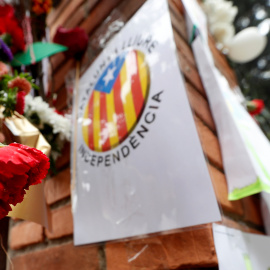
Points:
[117,101]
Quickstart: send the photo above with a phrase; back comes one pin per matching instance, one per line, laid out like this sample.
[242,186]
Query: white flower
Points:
[222,32]
[47,115]
[220,11]
[60,125]
[220,15]
[209,6]
[223,14]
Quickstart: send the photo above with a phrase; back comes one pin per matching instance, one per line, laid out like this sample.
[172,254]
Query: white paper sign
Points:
[238,250]
[245,149]
[140,167]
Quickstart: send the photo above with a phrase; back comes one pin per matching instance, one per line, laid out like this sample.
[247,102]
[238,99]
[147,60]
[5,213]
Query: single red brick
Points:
[62,223]
[64,15]
[178,23]
[25,233]
[209,143]
[200,106]
[64,257]
[62,99]
[116,256]
[81,13]
[98,14]
[54,13]
[221,190]
[177,6]
[129,7]
[57,60]
[147,253]
[184,48]
[59,75]
[191,73]
[193,247]
[64,159]
[58,187]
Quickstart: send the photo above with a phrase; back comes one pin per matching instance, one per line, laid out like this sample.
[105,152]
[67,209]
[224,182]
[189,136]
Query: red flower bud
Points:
[20,167]
[75,39]
[58,112]
[255,106]
[20,102]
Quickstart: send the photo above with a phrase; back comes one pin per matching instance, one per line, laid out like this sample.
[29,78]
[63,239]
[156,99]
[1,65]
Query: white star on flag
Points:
[109,76]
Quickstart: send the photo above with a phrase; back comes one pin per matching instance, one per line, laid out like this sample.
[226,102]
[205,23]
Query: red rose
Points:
[255,106]
[75,39]
[20,167]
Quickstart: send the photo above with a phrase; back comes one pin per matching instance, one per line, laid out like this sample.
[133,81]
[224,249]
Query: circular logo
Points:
[117,101]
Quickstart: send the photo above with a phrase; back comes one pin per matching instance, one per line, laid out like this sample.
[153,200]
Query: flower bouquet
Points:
[24,118]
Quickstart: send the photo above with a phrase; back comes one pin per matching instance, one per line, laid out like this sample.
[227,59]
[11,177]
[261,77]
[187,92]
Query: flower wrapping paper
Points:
[33,208]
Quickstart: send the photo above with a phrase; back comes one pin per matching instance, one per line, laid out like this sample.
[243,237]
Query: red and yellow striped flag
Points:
[117,102]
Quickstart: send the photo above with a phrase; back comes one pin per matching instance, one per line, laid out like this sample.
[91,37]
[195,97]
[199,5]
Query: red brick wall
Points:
[32,247]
